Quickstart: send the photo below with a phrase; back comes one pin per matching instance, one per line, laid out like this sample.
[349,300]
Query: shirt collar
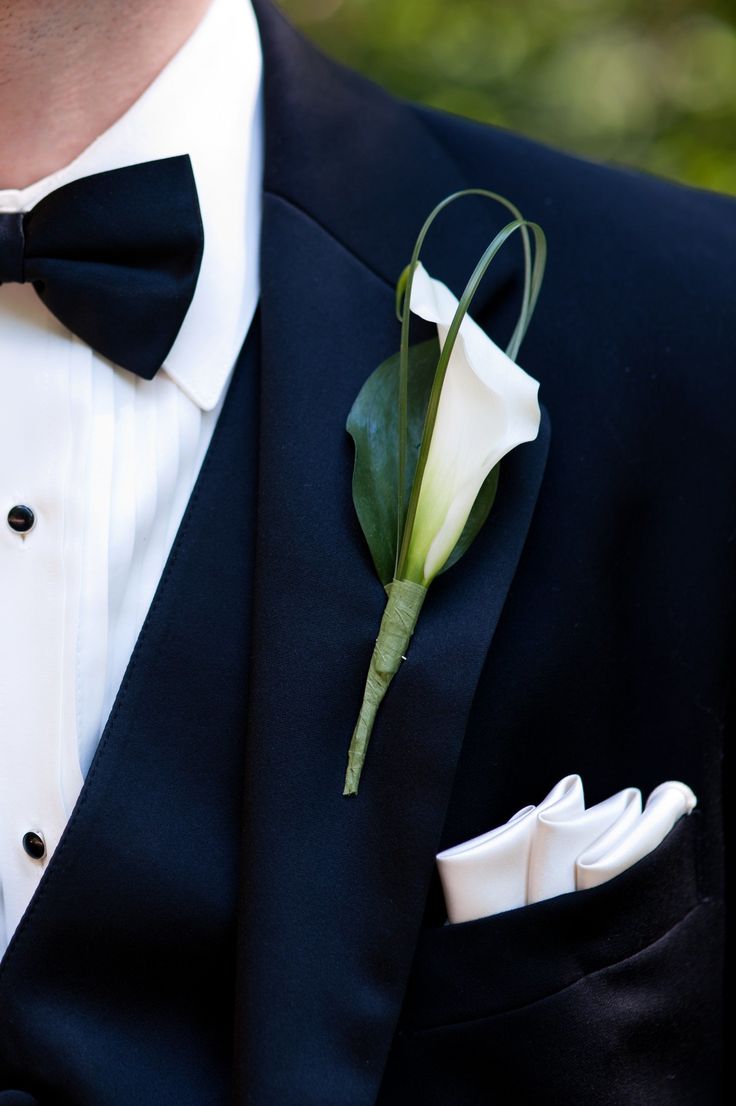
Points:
[206,103]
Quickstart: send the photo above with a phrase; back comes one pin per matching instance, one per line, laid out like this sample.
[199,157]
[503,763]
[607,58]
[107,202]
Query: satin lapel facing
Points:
[332,888]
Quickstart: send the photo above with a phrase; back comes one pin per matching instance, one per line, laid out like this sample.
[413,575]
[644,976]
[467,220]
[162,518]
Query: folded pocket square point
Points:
[557,847]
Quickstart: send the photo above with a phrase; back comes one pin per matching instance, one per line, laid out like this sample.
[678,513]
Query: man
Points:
[193,912]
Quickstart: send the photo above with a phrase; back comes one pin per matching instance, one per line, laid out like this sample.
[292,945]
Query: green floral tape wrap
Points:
[405,600]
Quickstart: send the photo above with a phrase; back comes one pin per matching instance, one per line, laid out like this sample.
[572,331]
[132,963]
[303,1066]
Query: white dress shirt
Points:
[107,461]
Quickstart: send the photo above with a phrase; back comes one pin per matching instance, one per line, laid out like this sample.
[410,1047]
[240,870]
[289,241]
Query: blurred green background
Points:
[649,83]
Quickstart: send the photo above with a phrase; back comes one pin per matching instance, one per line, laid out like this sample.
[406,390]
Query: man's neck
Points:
[70,68]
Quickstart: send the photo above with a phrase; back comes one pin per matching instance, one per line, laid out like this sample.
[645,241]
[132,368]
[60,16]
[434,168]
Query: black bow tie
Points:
[115,257]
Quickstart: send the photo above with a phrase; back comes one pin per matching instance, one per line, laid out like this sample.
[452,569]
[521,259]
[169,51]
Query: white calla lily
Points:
[474,405]
[488,405]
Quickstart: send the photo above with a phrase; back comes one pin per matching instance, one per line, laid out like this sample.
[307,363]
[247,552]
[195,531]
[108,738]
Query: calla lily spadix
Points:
[430,427]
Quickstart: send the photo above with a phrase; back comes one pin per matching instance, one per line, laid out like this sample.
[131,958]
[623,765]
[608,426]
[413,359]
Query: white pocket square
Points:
[557,847]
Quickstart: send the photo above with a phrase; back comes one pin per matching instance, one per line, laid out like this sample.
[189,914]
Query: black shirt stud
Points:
[34,845]
[21,518]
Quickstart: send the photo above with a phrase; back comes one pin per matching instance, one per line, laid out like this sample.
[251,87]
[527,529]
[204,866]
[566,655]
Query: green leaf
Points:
[373,424]
[478,515]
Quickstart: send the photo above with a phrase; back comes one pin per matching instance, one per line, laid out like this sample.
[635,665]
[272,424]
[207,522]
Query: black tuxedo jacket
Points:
[219,924]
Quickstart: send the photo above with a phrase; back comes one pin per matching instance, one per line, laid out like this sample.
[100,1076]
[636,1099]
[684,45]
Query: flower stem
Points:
[405,600]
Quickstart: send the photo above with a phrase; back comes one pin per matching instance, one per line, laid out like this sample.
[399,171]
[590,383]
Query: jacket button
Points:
[21,519]
[35,846]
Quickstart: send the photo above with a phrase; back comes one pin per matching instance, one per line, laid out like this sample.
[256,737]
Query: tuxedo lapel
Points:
[333,889]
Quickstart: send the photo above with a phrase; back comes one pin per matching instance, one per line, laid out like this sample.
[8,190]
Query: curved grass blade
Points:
[452,333]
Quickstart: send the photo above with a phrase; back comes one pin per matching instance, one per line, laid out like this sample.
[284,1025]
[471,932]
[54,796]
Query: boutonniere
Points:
[430,426]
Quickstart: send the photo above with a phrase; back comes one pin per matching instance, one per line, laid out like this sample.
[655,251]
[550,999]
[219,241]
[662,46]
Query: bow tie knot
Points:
[114,256]
[12,246]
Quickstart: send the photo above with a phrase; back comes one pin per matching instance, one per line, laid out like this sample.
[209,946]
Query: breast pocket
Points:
[602,996]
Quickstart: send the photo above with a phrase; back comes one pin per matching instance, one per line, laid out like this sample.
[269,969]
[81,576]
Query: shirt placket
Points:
[37,573]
